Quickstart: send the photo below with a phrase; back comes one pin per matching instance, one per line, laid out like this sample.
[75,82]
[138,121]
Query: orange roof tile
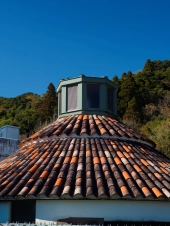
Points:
[88,124]
[109,160]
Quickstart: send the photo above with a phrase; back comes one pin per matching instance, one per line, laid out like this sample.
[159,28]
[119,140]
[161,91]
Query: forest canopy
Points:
[29,111]
[144,101]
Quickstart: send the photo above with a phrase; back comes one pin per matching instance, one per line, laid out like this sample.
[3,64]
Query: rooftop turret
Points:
[87,95]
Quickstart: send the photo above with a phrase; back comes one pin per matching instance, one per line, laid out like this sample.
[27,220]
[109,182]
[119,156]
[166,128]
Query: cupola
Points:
[87,95]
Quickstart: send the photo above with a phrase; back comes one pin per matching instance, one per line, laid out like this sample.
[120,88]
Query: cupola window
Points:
[110,95]
[84,95]
[72,97]
[93,96]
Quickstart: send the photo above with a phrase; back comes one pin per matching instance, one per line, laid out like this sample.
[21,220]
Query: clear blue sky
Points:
[42,41]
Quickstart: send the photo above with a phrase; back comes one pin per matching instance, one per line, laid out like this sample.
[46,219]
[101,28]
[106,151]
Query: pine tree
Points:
[149,66]
[115,79]
[48,105]
[128,90]
[133,111]
[50,101]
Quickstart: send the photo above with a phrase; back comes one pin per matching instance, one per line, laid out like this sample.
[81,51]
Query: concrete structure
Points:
[7,147]
[9,132]
[9,140]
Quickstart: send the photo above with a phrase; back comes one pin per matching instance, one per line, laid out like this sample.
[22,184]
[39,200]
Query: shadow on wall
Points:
[81,220]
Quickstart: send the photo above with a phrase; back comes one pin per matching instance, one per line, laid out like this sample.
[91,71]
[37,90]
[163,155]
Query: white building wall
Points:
[5,212]
[2,157]
[3,132]
[111,210]
[13,132]
[7,147]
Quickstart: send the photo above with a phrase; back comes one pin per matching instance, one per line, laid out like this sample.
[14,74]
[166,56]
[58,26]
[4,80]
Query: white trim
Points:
[46,138]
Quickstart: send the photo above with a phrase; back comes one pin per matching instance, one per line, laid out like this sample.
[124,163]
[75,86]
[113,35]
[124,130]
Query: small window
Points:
[93,91]
[110,93]
[72,97]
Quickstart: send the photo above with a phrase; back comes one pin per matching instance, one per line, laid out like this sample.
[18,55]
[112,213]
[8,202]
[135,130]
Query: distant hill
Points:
[144,101]
[29,111]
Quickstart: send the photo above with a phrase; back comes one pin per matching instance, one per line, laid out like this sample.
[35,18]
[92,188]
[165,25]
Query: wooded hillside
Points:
[29,111]
[144,101]
[143,104]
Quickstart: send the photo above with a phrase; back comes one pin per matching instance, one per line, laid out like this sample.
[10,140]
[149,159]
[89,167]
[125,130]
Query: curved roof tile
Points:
[87,126]
[85,167]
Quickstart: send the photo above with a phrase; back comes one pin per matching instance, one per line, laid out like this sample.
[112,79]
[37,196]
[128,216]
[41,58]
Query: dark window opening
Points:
[72,97]
[23,211]
[110,93]
[93,96]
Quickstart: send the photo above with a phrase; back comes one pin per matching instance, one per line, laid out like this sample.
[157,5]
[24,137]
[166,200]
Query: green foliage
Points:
[149,66]
[127,90]
[144,102]
[29,110]
[159,132]
[132,111]
[115,79]
[47,106]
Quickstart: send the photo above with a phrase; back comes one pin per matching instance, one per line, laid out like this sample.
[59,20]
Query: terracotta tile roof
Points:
[88,125]
[86,167]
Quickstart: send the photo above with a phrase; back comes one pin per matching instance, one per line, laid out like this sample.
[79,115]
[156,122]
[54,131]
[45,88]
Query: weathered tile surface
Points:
[86,167]
[88,125]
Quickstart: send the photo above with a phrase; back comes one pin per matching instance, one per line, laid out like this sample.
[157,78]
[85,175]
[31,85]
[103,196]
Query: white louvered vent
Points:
[72,97]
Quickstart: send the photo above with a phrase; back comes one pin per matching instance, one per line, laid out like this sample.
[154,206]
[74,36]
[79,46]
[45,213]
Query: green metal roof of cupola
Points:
[87,95]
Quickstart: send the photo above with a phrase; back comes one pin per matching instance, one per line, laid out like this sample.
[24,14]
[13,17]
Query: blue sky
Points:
[42,41]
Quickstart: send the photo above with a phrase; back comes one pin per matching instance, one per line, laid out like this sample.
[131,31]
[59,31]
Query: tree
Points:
[149,66]
[48,105]
[115,79]
[133,111]
[128,90]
